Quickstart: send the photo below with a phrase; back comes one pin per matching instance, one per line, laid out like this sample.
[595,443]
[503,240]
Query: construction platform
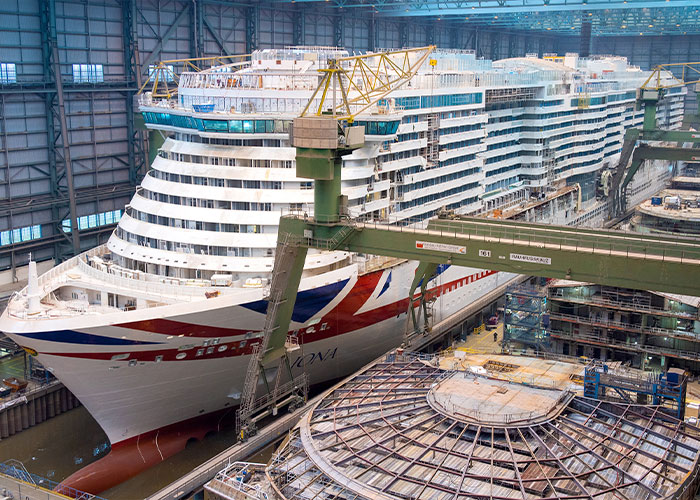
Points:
[473,426]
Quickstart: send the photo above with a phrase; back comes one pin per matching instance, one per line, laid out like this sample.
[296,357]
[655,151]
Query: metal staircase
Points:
[274,345]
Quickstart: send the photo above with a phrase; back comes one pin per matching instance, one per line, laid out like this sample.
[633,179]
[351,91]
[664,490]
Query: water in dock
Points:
[62,445]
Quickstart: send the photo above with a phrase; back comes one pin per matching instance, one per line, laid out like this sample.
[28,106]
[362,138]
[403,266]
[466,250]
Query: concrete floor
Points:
[483,342]
[493,402]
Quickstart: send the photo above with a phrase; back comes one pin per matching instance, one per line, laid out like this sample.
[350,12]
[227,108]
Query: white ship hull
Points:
[113,368]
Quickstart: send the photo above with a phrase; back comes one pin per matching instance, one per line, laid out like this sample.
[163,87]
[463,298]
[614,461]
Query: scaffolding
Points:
[509,94]
[526,319]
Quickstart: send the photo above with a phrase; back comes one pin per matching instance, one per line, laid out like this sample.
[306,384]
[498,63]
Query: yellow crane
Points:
[163,77]
[363,81]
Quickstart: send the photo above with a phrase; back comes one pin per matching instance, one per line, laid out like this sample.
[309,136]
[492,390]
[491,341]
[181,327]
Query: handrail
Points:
[627,326]
[9,468]
[620,305]
[608,342]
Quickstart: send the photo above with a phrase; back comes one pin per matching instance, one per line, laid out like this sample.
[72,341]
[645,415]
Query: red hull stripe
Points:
[171,327]
[340,320]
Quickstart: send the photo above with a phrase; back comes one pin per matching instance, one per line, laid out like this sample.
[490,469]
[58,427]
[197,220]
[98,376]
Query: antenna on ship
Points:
[33,297]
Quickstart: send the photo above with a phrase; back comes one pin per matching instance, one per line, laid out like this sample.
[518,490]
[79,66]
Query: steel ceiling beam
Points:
[626,17]
[461,7]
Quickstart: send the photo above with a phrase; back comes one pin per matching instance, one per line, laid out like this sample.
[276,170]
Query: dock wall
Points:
[33,407]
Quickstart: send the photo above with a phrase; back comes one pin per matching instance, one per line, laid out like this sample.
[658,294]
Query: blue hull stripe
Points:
[386,285]
[73,337]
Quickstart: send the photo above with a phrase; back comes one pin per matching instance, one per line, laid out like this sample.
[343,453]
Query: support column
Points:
[55,108]
[299,26]
[196,29]
[585,41]
[403,35]
[136,146]
[495,46]
[338,29]
[454,38]
[512,44]
[430,33]
[252,15]
[372,34]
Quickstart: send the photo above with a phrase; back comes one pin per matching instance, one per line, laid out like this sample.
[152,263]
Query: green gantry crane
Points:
[601,256]
[636,147]
[322,135]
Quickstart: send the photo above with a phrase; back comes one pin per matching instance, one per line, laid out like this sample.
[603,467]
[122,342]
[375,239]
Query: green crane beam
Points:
[670,264]
[681,136]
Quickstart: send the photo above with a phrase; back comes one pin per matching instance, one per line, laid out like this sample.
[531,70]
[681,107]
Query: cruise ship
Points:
[153,331]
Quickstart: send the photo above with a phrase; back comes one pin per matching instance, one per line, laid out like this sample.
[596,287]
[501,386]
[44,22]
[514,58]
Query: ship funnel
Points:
[33,297]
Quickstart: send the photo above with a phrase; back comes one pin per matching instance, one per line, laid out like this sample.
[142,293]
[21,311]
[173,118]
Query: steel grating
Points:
[377,436]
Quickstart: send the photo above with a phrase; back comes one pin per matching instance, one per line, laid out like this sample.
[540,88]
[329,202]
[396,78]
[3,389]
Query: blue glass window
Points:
[8,73]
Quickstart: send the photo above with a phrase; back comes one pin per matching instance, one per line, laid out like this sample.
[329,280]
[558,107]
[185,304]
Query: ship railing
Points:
[235,477]
[375,262]
[605,341]
[595,321]
[617,304]
[148,287]
[250,80]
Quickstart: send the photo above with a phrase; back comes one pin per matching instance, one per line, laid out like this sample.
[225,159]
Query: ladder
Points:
[295,391]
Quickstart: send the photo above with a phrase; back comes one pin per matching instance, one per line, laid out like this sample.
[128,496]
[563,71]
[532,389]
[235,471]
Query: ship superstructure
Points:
[156,326]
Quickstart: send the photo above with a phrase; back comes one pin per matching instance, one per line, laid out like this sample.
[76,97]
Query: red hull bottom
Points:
[131,457]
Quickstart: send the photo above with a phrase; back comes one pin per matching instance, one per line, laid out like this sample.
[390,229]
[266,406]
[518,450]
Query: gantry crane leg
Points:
[424,273]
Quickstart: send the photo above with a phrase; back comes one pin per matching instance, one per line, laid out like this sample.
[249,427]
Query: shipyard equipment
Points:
[323,133]
[608,257]
[637,146]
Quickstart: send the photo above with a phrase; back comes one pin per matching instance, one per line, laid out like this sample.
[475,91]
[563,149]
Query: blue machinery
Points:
[667,390]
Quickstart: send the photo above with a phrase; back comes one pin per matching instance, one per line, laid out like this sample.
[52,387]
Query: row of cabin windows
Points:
[217,181]
[190,248]
[226,162]
[203,203]
[195,224]
[404,205]
[438,180]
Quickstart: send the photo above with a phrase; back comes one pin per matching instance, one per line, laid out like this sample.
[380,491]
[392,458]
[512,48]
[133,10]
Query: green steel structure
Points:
[635,149]
[630,260]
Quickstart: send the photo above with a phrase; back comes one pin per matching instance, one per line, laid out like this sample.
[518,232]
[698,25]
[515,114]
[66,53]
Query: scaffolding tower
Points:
[525,317]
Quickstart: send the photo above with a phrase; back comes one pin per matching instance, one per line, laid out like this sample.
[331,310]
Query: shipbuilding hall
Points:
[419,248]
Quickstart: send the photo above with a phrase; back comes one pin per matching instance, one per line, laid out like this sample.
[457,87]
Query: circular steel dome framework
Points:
[377,437]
